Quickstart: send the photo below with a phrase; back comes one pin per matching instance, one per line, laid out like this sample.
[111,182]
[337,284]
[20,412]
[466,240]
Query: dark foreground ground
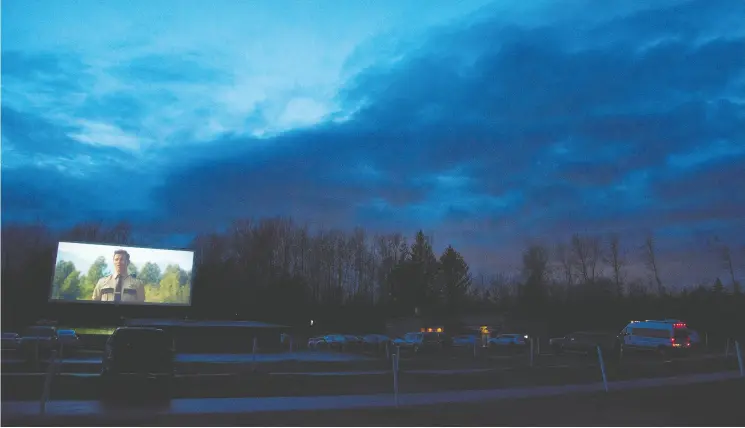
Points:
[710,404]
[425,374]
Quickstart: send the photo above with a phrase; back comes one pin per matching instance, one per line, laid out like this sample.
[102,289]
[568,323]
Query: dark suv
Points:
[138,354]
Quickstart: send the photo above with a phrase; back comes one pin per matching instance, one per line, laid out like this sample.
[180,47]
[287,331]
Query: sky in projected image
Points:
[83,255]
[490,124]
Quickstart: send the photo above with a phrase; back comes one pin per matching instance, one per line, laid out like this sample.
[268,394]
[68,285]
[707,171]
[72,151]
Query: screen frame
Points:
[120,304]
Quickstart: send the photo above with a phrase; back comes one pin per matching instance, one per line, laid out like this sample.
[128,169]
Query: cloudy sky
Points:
[490,124]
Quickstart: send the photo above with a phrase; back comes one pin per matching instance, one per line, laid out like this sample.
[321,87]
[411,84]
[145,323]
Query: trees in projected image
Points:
[172,286]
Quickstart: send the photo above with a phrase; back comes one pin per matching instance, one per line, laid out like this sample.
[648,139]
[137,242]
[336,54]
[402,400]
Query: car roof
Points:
[65,331]
[652,324]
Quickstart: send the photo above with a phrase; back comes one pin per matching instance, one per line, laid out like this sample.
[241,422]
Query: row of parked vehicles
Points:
[130,354]
[662,336]
[414,341]
[41,340]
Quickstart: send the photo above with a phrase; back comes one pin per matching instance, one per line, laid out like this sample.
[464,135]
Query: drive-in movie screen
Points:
[118,274]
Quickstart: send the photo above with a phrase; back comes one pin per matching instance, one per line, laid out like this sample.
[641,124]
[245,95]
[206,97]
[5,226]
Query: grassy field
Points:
[711,404]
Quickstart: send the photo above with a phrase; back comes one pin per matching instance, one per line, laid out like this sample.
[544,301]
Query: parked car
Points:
[420,342]
[315,343]
[335,341]
[138,354]
[413,342]
[375,342]
[11,341]
[661,336]
[68,341]
[509,340]
[41,339]
[584,343]
[398,341]
[465,340]
[437,340]
[353,342]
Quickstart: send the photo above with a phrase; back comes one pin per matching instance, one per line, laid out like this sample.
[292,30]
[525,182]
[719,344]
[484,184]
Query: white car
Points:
[316,343]
[656,335]
[335,341]
[509,339]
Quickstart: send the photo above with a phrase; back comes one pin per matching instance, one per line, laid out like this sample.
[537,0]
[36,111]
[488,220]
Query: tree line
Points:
[277,269]
[171,286]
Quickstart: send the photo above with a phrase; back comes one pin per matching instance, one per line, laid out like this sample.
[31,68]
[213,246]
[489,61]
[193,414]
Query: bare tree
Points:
[587,251]
[566,261]
[499,287]
[535,264]
[651,261]
[617,261]
[725,256]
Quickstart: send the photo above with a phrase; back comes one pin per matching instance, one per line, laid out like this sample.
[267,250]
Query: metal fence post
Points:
[396,357]
[48,383]
[739,358]
[37,362]
[531,352]
[726,349]
[253,352]
[602,368]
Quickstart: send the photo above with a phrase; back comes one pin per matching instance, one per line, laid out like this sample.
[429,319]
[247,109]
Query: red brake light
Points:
[672,340]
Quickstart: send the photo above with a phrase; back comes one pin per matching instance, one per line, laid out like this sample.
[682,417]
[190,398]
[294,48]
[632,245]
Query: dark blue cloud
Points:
[32,135]
[568,119]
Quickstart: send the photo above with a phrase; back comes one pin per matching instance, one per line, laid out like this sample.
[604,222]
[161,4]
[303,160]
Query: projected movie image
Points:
[117,274]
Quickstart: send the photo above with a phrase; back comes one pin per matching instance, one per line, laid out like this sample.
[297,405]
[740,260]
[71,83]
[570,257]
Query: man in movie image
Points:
[120,286]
